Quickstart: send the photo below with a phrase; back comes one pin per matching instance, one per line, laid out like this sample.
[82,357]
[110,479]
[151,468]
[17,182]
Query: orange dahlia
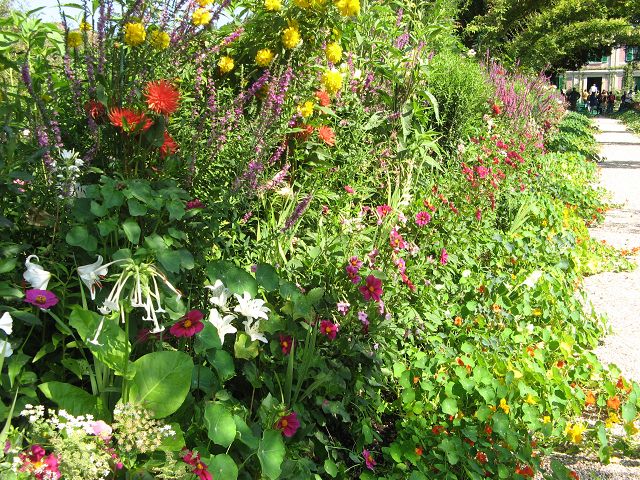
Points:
[169,147]
[128,120]
[162,97]
[323,98]
[327,135]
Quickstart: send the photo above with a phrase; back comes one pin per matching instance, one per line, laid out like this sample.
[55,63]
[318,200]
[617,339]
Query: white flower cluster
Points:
[67,172]
[252,309]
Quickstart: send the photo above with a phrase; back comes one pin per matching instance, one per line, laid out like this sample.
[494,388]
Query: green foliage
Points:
[575,134]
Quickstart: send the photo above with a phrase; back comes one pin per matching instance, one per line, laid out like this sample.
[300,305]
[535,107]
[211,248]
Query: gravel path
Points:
[616,295]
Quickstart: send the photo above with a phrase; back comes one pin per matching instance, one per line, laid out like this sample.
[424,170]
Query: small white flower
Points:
[250,308]
[222,324]
[35,275]
[471,52]
[5,348]
[219,294]
[252,329]
[26,132]
[92,274]
[532,279]
[6,323]
[466,273]
[357,74]
[67,154]
[530,328]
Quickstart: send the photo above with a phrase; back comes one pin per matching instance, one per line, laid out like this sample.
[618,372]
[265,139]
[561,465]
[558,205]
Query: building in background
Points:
[607,72]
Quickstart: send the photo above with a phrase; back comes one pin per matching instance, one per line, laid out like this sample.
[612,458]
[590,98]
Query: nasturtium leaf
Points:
[244,348]
[131,230]
[234,278]
[70,398]
[330,467]
[244,433]
[267,276]
[161,381]
[79,236]
[221,427]
[223,363]
[449,406]
[271,453]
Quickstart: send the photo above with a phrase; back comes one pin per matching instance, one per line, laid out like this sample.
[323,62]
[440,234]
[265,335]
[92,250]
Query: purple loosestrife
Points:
[276,181]
[229,39]
[43,142]
[76,87]
[297,213]
[399,17]
[402,41]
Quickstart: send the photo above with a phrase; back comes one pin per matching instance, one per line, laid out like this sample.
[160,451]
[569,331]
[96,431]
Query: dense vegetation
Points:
[316,241]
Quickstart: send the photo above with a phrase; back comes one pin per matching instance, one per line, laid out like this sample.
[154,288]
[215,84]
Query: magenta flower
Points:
[444,257]
[478,214]
[42,467]
[422,218]
[383,210]
[368,459]
[364,319]
[355,262]
[396,241]
[352,272]
[373,289]
[188,325]
[482,171]
[285,344]
[343,307]
[195,203]
[349,189]
[288,424]
[329,329]
[43,299]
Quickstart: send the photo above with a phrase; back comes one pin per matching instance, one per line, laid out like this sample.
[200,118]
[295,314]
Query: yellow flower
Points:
[574,432]
[306,109]
[504,406]
[204,3]
[74,40]
[631,428]
[492,408]
[273,5]
[333,52]
[536,312]
[291,37]
[531,400]
[348,8]
[134,34]
[225,64]
[302,3]
[546,419]
[201,16]
[613,418]
[264,57]
[159,39]
[85,27]
[332,81]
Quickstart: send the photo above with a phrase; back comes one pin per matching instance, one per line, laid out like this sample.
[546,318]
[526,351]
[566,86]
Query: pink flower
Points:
[396,241]
[482,171]
[328,329]
[478,214]
[383,210]
[188,325]
[368,459]
[343,307]
[373,288]
[422,218]
[349,189]
[200,469]
[444,257]
[355,262]
[195,203]
[352,272]
[102,430]
[285,344]
[40,466]
[288,424]
[43,299]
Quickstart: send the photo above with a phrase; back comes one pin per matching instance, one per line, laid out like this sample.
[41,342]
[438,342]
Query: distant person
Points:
[593,102]
[611,100]
[573,97]
[593,89]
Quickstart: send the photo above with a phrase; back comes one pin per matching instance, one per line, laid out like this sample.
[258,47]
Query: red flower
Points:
[129,121]
[620,383]
[328,329]
[285,344]
[323,98]
[327,135]
[613,403]
[200,469]
[525,471]
[188,325]
[419,451]
[305,133]
[288,424]
[422,218]
[195,203]
[573,474]
[94,109]
[437,429]
[162,97]
[497,110]
[383,210]
[444,257]
[481,457]
[373,288]
[368,459]
[169,147]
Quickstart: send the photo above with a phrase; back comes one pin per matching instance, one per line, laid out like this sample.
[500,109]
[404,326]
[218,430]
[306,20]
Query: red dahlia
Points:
[162,97]
[169,147]
[128,120]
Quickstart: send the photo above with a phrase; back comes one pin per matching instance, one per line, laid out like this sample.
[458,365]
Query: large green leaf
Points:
[111,345]
[222,466]
[234,278]
[221,428]
[161,382]
[79,236]
[271,452]
[70,398]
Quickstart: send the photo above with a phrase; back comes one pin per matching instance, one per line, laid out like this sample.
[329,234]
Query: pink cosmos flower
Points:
[329,329]
[352,272]
[43,299]
[343,307]
[368,459]
[188,325]
[355,262]
[373,288]
[383,210]
[422,218]
[288,424]
[200,469]
[286,342]
[195,203]
[482,171]
[396,241]
[444,257]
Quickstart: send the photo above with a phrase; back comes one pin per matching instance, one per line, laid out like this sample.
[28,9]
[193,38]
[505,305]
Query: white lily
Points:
[6,323]
[92,274]
[252,329]
[5,348]
[251,308]
[219,294]
[222,324]
[35,275]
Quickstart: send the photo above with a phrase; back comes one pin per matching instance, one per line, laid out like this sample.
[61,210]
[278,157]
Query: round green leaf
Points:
[271,452]
[79,236]
[223,466]
[221,428]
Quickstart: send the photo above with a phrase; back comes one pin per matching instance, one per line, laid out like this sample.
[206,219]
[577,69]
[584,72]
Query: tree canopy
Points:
[549,34]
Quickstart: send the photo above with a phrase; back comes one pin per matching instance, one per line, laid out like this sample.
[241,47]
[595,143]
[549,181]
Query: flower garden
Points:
[302,239]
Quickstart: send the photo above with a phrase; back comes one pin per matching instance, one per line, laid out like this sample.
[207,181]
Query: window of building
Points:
[632,54]
[598,58]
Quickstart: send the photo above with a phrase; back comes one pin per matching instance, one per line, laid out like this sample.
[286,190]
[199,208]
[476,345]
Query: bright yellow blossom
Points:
[613,418]
[225,64]
[204,3]
[201,16]
[546,419]
[503,405]
[291,37]
[574,432]
[348,8]
[306,109]
[536,312]
[159,39]
[302,3]
[273,5]
[333,52]
[631,428]
[85,27]
[531,400]
[264,57]
[74,39]
[332,81]
[134,34]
